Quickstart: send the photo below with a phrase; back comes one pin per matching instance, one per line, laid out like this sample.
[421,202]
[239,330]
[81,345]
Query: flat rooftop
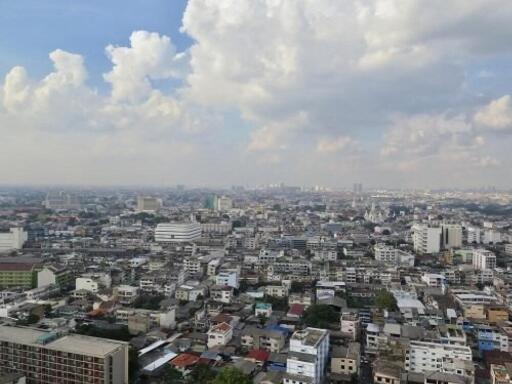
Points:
[79,344]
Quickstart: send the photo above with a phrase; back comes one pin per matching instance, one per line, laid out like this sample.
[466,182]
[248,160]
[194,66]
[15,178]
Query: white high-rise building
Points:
[426,239]
[62,201]
[451,236]
[307,358]
[12,240]
[483,259]
[474,235]
[492,236]
[422,357]
[177,232]
[222,203]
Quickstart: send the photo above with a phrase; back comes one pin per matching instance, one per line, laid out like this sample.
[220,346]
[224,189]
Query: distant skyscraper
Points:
[148,204]
[358,188]
[61,201]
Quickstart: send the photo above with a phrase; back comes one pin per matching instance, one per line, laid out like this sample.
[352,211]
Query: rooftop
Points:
[83,345]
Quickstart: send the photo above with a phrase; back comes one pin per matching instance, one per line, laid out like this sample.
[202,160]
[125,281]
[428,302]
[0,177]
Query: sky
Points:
[390,93]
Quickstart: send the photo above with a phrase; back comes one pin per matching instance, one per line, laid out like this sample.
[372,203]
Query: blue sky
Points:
[30,29]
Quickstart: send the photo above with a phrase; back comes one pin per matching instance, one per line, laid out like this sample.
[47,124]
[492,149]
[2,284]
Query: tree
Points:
[201,373]
[172,376]
[232,376]
[385,300]
[320,316]
[262,319]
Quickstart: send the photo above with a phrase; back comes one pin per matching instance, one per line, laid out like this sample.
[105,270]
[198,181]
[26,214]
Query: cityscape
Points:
[255,192]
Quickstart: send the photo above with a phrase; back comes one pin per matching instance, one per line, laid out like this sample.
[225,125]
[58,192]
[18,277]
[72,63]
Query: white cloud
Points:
[497,115]
[380,84]
[149,57]
[333,144]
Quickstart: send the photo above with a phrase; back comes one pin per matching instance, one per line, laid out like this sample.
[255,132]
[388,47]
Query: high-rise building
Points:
[451,236]
[474,235]
[426,239]
[483,259]
[62,201]
[307,356]
[47,358]
[357,188]
[148,204]
[177,232]
[12,240]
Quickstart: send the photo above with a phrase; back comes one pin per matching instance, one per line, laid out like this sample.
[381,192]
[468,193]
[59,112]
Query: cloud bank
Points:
[306,92]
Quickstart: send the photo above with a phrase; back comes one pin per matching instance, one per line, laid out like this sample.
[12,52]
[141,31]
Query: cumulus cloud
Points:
[298,84]
[149,57]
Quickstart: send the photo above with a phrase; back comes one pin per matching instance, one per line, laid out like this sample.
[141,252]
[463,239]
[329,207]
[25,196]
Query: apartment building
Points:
[219,335]
[272,339]
[422,357]
[483,259]
[346,360]
[426,239]
[14,239]
[307,357]
[47,358]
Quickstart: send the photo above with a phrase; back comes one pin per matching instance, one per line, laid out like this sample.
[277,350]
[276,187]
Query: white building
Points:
[177,232]
[227,278]
[474,235]
[422,357]
[350,324]
[222,203]
[219,335]
[307,357]
[426,239]
[492,236]
[433,280]
[451,236]
[394,256]
[14,239]
[484,259]
[87,284]
[127,294]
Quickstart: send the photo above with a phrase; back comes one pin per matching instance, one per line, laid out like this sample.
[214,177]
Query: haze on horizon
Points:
[393,93]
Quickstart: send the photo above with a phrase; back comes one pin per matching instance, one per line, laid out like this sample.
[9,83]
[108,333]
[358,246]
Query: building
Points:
[219,335]
[62,201]
[127,294]
[177,232]
[451,236]
[227,278]
[483,259]
[474,235]
[307,356]
[47,358]
[12,240]
[423,357]
[54,275]
[148,204]
[222,203]
[272,339]
[350,324]
[426,239]
[346,360]
[19,272]
[393,256]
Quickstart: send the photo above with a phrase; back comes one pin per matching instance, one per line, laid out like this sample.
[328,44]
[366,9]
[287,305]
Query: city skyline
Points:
[212,93]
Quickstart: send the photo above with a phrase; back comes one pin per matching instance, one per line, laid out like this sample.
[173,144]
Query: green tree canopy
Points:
[385,300]
[232,376]
[201,373]
[320,316]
